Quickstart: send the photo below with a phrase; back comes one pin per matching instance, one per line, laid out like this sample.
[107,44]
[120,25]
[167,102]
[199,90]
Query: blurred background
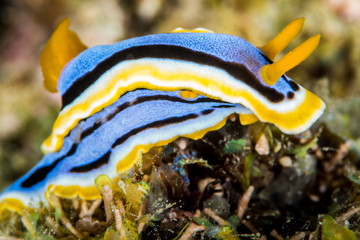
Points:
[27,110]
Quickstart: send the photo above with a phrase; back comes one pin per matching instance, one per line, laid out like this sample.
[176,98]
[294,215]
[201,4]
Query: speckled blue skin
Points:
[225,47]
[100,141]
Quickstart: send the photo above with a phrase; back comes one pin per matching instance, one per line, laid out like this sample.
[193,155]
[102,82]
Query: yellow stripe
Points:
[13,205]
[293,121]
[246,119]
[188,94]
[87,193]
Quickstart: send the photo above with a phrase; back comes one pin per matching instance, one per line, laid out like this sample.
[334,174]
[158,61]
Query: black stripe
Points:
[143,99]
[90,130]
[156,124]
[290,95]
[117,110]
[236,70]
[223,106]
[207,112]
[41,173]
[292,84]
[93,165]
[159,98]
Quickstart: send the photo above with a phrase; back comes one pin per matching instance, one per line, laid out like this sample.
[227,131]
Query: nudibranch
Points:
[120,100]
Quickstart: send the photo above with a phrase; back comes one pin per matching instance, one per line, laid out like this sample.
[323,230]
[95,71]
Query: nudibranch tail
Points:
[282,40]
[272,72]
[63,46]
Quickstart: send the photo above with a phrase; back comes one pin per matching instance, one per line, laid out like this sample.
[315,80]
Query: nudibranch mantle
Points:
[218,66]
[121,100]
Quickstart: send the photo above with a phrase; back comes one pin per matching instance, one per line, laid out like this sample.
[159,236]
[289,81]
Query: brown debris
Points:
[108,202]
[285,161]
[262,146]
[76,203]
[347,215]
[52,225]
[339,156]
[90,225]
[118,220]
[276,235]
[119,213]
[84,208]
[65,220]
[192,228]
[299,236]
[244,201]
[249,225]
[95,205]
[216,217]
